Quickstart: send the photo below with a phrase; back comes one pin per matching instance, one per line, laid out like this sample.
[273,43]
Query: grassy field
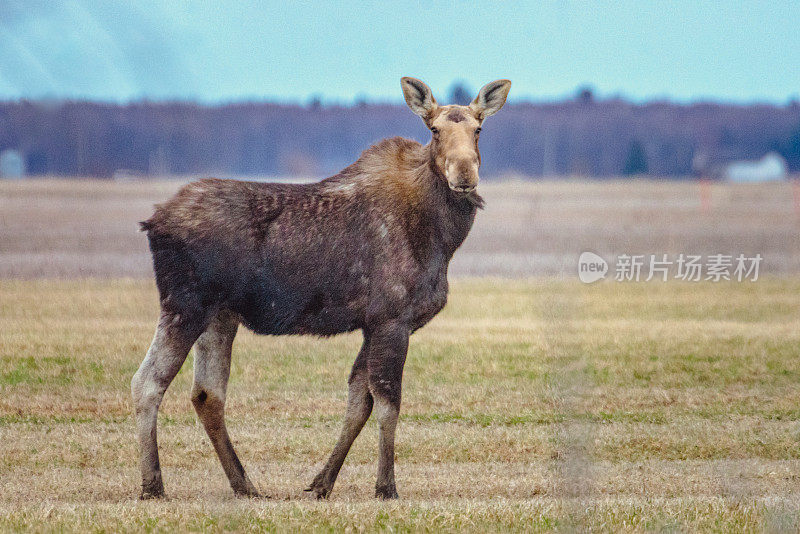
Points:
[528,405]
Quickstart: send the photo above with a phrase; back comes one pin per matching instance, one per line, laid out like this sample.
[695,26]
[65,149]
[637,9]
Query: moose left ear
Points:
[491,98]
[418,97]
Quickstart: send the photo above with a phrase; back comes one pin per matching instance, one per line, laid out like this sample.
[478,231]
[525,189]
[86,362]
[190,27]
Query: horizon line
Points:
[321,101]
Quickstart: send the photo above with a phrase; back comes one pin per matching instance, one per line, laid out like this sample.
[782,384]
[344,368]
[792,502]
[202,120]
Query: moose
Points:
[367,249]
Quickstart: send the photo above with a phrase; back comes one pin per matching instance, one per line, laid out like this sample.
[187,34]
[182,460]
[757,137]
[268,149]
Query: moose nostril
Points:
[462,186]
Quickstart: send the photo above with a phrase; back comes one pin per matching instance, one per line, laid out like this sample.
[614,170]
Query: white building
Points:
[770,168]
[11,164]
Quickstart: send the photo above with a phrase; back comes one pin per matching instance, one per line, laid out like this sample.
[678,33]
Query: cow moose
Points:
[367,249]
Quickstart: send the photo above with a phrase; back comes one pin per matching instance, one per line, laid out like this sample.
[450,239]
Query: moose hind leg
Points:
[387,357]
[359,407]
[171,344]
[212,368]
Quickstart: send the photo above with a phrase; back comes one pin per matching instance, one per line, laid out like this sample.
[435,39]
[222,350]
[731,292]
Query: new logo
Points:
[591,267]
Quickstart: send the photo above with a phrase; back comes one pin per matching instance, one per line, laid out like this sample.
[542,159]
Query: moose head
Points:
[455,129]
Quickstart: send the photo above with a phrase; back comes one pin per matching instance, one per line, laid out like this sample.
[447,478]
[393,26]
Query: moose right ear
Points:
[491,98]
[418,97]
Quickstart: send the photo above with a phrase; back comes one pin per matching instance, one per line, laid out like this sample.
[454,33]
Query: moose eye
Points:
[477,131]
[434,130]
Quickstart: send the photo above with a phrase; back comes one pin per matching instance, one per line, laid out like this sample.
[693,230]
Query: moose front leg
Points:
[359,407]
[387,355]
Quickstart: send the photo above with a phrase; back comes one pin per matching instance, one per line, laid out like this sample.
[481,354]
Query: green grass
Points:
[527,405]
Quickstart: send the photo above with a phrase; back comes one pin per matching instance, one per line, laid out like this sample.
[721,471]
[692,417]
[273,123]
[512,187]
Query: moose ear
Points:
[418,97]
[491,98]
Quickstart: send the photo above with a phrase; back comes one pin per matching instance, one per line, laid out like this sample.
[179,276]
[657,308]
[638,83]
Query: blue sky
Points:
[219,51]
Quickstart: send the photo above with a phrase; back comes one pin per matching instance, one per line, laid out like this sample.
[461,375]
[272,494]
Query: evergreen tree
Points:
[791,150]
[585,95]
[460,94]
[636,163]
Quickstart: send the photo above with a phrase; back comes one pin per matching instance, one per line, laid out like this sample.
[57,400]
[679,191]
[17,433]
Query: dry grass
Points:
[88,228]
[528,405]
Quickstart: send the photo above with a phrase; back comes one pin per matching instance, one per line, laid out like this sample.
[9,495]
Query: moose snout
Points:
[462,176]
[463,188]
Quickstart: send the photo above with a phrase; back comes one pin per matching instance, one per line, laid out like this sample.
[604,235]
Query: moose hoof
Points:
[146,494]
[245,488]
[318,491]
[319,487]
[249,494]
[152,489]
[386,492]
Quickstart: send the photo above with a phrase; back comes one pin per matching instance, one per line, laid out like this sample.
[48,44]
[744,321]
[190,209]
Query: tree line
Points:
[578,136]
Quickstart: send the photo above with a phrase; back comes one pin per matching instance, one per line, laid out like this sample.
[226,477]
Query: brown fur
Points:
[455,115]
[367,249]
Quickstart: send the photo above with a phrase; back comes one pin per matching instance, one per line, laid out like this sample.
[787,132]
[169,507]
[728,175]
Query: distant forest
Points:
[578,136]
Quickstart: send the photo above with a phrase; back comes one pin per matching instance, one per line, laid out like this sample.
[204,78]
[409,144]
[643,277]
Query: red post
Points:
[705,195]
[796,195]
